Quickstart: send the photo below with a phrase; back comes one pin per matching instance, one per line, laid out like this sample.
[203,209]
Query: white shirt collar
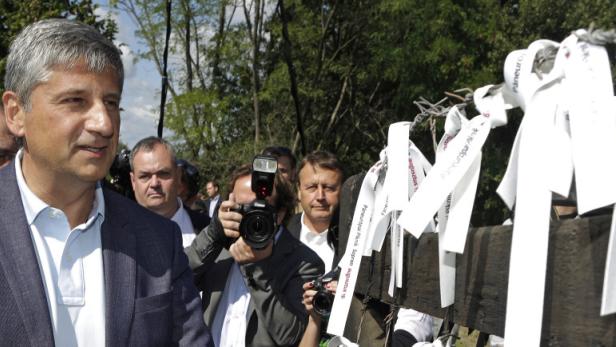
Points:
[178,212]
[312,234]
[33,205]
[182,219]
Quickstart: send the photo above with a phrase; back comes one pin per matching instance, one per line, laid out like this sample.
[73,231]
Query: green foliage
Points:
[16,14]
[358,67]
[205,129]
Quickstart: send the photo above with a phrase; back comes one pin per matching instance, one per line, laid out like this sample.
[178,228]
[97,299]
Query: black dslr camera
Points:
[258,224]
[324,299]
[119,175]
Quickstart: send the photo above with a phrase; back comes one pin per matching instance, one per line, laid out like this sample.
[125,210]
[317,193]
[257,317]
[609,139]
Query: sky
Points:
[141,95]
[142,82]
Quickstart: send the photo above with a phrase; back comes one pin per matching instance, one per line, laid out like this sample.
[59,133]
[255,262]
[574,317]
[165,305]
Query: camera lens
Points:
[257,228]
[256,225]
[322,302]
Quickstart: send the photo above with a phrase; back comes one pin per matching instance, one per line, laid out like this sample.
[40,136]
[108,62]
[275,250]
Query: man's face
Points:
[319,192]
[155,180]
[285,169]
[8,146]
[71,130]
[211,190]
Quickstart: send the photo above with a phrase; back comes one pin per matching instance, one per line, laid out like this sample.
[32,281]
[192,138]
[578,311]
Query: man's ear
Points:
[132,180]
[14,113]
[299,191]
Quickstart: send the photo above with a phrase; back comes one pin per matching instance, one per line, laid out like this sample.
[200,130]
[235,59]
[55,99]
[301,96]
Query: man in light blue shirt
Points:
[80,265]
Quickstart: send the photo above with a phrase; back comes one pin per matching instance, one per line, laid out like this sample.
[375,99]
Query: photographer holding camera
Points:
[250,269]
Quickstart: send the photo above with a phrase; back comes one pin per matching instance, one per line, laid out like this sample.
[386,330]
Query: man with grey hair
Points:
[155,178]
[81,265]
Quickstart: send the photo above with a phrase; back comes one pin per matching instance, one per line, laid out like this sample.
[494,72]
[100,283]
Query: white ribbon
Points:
[447,260]
[608,299]
[380,200]
[406,168]
[349,264]
[569,125]
[592,113]
[527,180]
[397,188]
[451,185]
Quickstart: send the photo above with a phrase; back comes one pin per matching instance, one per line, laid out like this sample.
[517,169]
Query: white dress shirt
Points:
[229,326]
[71,263]
[318,243]
[182,219]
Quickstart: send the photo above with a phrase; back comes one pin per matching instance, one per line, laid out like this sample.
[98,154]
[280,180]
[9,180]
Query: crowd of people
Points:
[83,265]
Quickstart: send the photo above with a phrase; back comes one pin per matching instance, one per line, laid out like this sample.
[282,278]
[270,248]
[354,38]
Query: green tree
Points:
[15,14]
[345,69]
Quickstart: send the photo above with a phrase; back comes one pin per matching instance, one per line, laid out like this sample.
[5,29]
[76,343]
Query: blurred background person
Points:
[188,185]
[213,201]
[286,161]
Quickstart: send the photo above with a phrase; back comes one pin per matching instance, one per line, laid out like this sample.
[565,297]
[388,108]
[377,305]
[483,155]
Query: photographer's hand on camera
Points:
[309,293]
[244,254]
[229,218]
[239,250]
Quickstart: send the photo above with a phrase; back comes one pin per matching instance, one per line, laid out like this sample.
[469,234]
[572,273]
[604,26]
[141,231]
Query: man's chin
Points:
[321,216]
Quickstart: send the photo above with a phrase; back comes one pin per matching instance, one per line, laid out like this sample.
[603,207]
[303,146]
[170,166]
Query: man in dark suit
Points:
[213,201]
[253,297]
[80,265]
[155,177]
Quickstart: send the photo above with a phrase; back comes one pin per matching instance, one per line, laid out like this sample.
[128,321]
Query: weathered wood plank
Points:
[576,261]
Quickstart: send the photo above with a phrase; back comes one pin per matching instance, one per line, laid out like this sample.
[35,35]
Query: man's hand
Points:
[229,219]
[243,253]
[309,293]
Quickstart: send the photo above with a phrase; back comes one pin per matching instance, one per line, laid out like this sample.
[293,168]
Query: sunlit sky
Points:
[142,81]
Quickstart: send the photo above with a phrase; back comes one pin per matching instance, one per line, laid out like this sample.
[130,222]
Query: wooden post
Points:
[574,280]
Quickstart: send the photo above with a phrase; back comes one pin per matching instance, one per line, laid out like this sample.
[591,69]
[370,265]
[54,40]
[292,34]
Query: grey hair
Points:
[57,43]
[147,145]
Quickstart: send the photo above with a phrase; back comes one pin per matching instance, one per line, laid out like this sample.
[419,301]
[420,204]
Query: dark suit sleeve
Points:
[188,326]
[275,286]
[204,249]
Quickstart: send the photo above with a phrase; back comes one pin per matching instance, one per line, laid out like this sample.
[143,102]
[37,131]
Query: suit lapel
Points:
[19,262]
[119,252]
[295,225]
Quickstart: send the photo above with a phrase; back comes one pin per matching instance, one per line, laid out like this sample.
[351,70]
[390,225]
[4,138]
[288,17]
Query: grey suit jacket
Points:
[149,297]
[277,316]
